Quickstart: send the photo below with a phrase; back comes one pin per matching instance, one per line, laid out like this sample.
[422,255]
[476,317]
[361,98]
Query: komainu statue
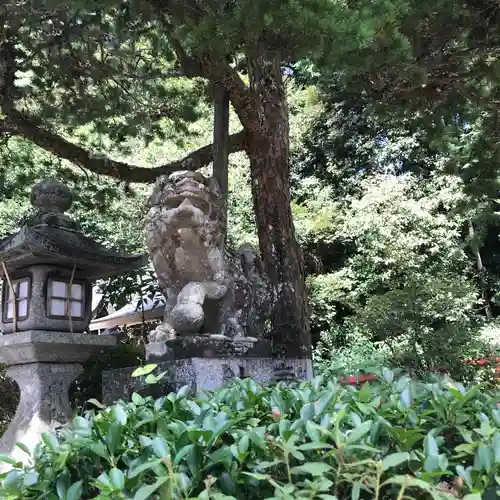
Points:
[208,289]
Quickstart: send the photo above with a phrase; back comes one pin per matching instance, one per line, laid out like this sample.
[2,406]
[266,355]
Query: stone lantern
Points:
[47,270]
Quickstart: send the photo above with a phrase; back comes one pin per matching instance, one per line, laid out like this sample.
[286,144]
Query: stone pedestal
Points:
[43,364]
[43,405]
[210,347]
[205,363]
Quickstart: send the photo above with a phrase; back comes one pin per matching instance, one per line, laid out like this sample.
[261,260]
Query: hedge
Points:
[393,438]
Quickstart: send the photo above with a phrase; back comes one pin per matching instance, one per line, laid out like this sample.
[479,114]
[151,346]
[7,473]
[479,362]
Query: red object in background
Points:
[360,379]
[484,361]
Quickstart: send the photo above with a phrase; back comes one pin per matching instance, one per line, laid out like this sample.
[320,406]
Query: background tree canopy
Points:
[373,123]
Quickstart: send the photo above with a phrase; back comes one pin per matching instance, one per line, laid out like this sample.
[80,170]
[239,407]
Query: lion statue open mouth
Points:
[208,290]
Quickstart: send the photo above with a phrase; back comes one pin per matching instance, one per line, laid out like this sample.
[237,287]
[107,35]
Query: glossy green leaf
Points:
[358,432]
[182,453]
[80,423]
[62,485]
[137,399]
[496,447]
[140,468]
[183,391]
[255,475]
[145,492]
[314,468]
[394,459]
[406,397]
[119,414]
[117,478]
[314,446]
[24,448]
[465,474]
[144,370]
[307,412]
[75,491]
[356,490]
[100,449]
[484,458]
[222,456]
[244,444]
[160,448]
[430,445]
[431,463]
[323,402]
[114,437]
[30,478]
[50,441]
[6,459]
[193,407]
[96,403]
[104,482]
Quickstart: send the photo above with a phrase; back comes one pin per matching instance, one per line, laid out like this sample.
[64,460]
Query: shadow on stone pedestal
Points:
[37,364]
[204,363]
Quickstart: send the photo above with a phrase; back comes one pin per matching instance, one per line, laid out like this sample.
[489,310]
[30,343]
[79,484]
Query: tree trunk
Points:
[268,149]
[483,285]
[220,145]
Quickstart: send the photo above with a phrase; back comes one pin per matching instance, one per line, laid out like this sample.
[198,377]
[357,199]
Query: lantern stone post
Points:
[47,269]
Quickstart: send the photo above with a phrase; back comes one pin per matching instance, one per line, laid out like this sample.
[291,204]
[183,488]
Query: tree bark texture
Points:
[268,150]
[220,146]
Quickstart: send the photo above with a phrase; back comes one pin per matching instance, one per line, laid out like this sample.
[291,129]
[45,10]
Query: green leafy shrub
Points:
[346,350]
[395,438]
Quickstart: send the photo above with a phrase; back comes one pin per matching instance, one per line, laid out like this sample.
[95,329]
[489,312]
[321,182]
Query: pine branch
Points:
[214,67]
[50,141]
[191,67]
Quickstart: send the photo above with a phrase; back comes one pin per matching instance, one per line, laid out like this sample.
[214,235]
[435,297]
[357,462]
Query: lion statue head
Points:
[185,203]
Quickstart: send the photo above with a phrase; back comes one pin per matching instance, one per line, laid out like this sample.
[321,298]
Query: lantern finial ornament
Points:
[51,196]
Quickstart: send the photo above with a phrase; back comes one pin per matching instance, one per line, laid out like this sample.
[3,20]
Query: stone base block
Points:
[35,346]
[204,374]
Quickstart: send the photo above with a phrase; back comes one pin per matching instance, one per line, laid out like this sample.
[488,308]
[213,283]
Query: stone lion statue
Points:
[208,290]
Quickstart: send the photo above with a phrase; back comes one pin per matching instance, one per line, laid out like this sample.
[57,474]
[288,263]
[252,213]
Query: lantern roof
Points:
[51,237]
